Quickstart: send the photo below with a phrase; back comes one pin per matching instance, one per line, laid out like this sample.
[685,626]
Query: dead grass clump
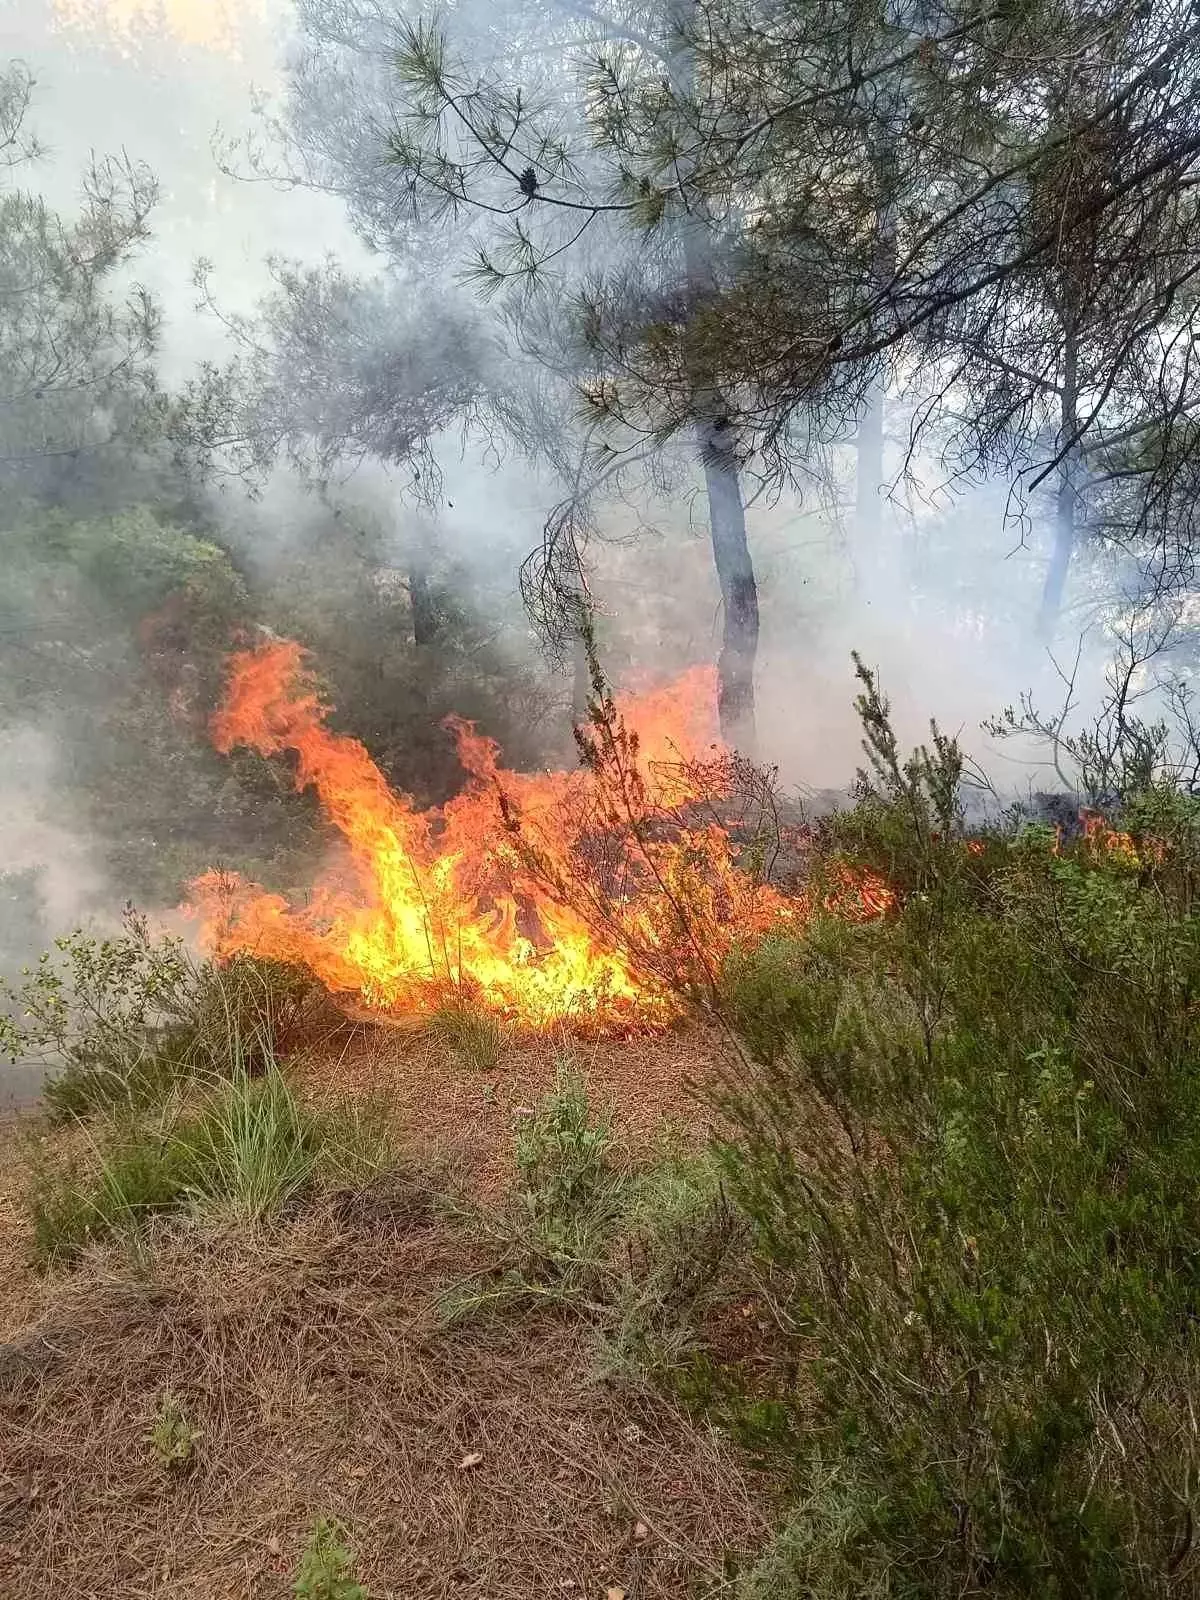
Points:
[475,1461]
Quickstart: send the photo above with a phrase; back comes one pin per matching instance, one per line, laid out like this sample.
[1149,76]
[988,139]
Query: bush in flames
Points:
[600,895]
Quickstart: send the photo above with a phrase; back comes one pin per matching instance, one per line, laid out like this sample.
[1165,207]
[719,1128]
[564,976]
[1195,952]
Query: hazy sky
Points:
[216,25]
[156,78]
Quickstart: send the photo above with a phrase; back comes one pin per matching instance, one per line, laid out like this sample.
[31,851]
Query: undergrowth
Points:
[968,1145]
[173,1436]
[640,1251]
[249,1148]
[121,1020]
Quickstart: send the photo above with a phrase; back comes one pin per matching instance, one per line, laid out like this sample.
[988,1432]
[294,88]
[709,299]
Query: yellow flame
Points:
[616,902]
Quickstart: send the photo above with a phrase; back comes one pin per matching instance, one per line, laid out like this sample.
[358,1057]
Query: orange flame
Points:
[521,890]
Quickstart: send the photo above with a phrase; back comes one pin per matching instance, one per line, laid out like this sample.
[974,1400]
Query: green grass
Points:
[642,1253]
[470,1034]
[132,1176]
[248,1150]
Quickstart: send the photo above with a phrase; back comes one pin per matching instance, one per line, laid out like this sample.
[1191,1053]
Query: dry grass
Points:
[644,1083]
[483,1461]
[24,1138]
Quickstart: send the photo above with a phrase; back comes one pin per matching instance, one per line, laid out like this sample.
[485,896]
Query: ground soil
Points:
[651,1086]
[485,1460]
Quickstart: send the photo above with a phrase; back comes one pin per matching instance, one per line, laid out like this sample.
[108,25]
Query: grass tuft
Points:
[251,1148]
[472,1036]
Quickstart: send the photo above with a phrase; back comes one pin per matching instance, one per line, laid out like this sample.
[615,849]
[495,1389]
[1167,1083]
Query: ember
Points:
[593,895]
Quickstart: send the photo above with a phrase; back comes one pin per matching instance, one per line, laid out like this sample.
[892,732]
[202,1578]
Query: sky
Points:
[221,26]
[158,80]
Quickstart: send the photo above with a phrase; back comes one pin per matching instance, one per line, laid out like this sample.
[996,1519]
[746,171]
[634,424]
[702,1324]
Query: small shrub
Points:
[643,1254]
[252,1148]
[471,1035]
[569,1190]
[173,1438]
[124,1019]
[561,1215]
[326,1569]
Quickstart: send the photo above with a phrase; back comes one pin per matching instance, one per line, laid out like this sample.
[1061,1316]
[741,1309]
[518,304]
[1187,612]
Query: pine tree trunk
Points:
[739,591]
[1067,499]
[718,452]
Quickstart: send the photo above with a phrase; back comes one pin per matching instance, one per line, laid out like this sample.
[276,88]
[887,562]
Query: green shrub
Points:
[126,1018]
[327,1565]
[642,1253]
[558,1224]
[568,1189]
[969,1149]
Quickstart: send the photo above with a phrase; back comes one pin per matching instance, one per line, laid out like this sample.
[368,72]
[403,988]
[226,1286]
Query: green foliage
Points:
[138,562]
[253,1149]
[127,1017]
[969,1148]
[173,1436]
[472,1035]
[642,1253]
[122,1182]
[557,1228]
[327,1565]
[679,1244]
[250,1148]
[568,1189]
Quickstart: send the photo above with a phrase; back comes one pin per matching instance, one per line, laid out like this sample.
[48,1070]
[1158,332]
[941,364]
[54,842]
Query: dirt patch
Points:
[485,1461]
[648,1086]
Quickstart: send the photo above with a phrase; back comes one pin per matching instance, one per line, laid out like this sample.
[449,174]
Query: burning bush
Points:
[600,895]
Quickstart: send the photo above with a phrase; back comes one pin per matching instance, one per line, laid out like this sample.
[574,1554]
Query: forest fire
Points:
[592,895]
